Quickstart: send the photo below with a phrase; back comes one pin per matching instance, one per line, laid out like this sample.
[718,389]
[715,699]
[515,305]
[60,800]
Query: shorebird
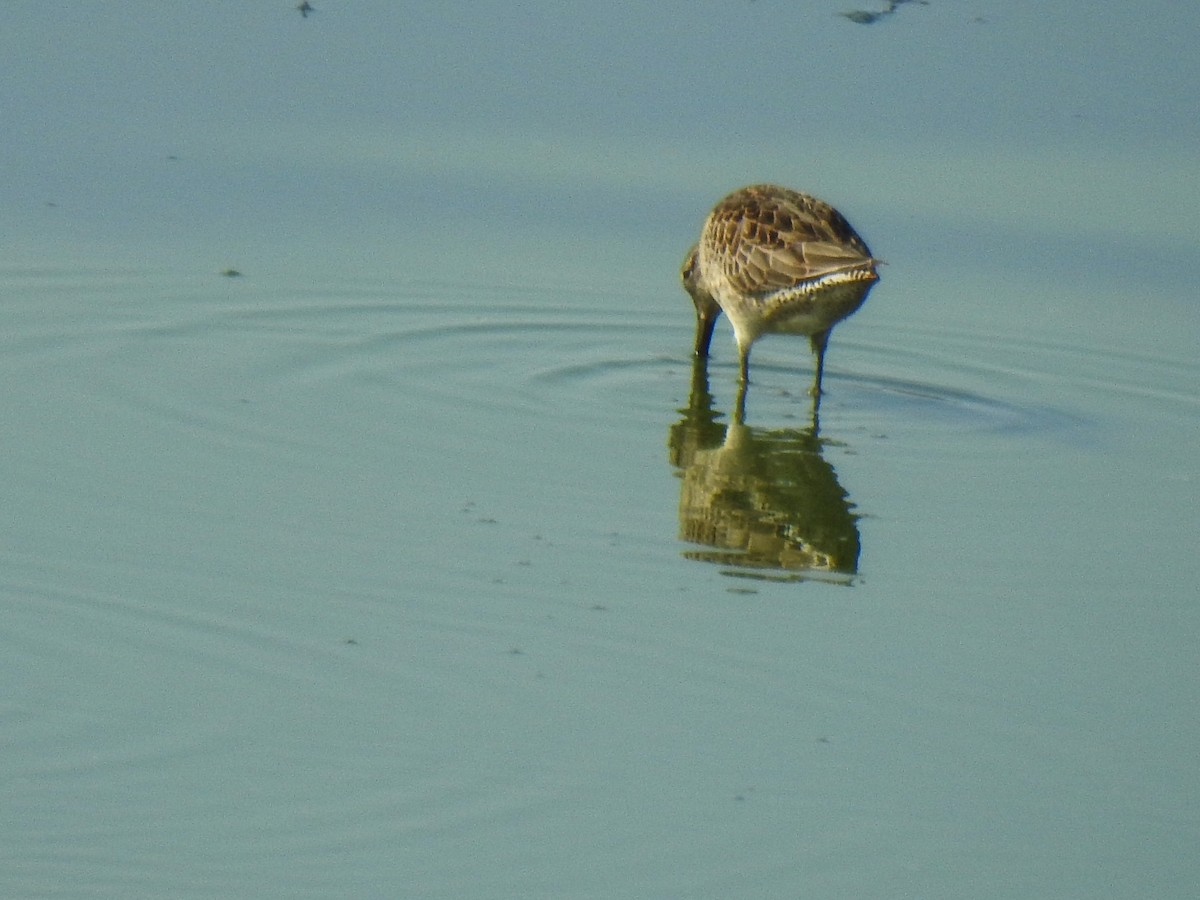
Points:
[776,261]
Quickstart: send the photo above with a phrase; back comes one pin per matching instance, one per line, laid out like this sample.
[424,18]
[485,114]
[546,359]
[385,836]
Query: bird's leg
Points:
[743,364]
[739,410]
[819,342]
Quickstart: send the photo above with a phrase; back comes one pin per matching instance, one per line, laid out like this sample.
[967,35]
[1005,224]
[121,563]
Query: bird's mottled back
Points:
[764,238]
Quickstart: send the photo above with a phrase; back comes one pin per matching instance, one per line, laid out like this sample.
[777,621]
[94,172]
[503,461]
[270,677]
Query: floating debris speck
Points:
[866,17]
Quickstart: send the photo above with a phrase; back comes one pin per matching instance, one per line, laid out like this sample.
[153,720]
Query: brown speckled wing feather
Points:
[775,238]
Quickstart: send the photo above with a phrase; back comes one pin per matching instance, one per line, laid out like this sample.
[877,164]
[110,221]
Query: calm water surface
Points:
[419,560]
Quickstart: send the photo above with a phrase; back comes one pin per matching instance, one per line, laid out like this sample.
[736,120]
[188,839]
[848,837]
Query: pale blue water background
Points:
[360,575]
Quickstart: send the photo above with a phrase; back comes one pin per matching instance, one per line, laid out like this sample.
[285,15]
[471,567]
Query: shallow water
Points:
[360,576]
[313,590]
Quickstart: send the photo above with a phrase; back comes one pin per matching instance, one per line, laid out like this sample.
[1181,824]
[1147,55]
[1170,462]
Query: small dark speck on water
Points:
[231,273]
[865,17]
[305,8]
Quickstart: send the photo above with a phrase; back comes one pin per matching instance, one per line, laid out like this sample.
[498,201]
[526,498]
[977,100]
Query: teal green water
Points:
[419,560]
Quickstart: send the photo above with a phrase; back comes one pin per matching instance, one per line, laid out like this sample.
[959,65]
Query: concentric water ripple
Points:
[588,355]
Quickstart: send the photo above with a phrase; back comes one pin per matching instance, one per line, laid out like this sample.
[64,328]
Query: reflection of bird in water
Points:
[760,499]
[776,261]
[700,428]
